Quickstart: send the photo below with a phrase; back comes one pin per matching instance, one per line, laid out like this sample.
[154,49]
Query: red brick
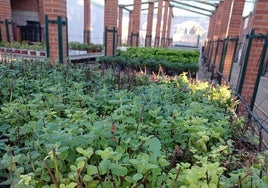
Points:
[158,24]
[110,22]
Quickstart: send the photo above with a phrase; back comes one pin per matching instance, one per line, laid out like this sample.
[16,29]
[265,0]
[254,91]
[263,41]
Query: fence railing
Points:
[214,55]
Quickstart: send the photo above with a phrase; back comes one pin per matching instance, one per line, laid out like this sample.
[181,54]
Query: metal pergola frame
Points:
[186,5]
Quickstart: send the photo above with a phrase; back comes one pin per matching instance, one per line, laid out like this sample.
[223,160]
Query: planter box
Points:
[24,52]
[33,52]
[2,49]
[17,51]
[9,50]
[42,53]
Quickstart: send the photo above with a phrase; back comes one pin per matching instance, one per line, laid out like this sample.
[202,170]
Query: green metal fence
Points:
[60,23]
[114,33]
[6,23]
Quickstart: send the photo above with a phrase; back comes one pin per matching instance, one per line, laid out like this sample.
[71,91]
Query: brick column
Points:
[158,23]
[164,26]
[6,14]
[260,25]
[150,17]
[170,16]
[41,17]
[110,23]
[53,9]
[87,21]
[212,44]
[216,35]
[136,23]
[224,23]
[207,45]
[120,21]
[234,30]
[130,21]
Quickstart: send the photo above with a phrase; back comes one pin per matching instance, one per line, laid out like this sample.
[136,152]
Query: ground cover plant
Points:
[67,126]
[172,62]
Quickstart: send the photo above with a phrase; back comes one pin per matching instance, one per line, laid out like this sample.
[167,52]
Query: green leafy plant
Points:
[68,126]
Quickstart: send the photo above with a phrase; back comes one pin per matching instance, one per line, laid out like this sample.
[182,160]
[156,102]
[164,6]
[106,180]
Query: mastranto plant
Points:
[173,62]
[65,126]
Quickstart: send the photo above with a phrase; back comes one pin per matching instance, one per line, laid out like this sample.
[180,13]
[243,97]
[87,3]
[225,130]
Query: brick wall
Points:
[234,30]
[158,23]
[150,16]
[25,5]
[136,22]
[258,22]
[55,8]
[215,35]
[5,13]
[87,22]
[224,22]
[110,22]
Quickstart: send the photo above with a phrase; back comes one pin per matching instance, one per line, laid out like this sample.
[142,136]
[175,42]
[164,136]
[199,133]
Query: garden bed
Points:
[66,126]
[154,60]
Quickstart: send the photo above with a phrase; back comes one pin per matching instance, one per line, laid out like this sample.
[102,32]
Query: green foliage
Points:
[172,61]
[23,45]
[75,45]
[67,126]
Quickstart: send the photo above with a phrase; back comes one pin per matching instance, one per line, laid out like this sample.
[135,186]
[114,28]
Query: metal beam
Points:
[176,6]
[196,7]
[130,5]
[207,3]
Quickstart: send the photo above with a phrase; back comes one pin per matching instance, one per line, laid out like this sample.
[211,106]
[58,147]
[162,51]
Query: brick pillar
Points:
[158,23]
[216,35]
[224,23]
[150,17]
[120,21]
[136,23]
[110,23]
[6,14]
[87,21]
[164,26]
[53,9]
[260,25]
[212,44]
[234,30]
[130,21]
[170,16]
[210,28]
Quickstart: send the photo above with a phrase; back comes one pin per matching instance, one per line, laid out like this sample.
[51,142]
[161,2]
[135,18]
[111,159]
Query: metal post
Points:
[198,40]
[245,64]
[212,44]
[131,39]
[0,34]
[114,49]
[67,41]
[7,30]
[233,58]
[223,55]
[47,36]
[137,39]
[105,41]
[214,61]
[261,65]
[59,22]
